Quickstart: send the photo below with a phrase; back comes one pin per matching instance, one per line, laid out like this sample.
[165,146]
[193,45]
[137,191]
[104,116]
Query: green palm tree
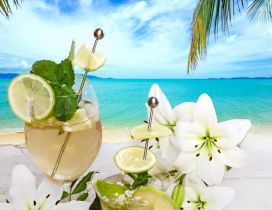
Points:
[5,8]
[209,15]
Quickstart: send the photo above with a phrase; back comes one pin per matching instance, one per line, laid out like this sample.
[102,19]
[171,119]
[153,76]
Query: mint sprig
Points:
[62,78]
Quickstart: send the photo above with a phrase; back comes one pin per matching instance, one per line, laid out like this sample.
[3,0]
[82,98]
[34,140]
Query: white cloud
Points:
[142,38]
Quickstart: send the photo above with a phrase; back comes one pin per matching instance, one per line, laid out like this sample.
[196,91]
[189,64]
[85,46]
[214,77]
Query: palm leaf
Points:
[5,8]
[261,10]
[209,15]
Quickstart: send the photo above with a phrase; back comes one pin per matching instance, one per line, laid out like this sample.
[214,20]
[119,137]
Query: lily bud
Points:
[87,60]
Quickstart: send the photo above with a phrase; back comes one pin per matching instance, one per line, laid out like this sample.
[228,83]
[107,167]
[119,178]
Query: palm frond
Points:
[208,15]
[260,10]
[5,8]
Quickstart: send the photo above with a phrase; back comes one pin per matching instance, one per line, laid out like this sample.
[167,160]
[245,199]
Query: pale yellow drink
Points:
[45,142]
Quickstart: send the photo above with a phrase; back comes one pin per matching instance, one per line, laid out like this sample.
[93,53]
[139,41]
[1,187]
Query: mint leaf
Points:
[96,204]
[45,69]
[83,197]
[64,195]
[82,185]
[66,103]
[61,77]
[65,73]
[139,179]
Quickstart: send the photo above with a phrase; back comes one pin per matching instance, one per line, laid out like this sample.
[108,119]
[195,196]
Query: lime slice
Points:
[109,190]
[31,97]
[97,62]
[113,196]
[156,198]
[130,160]
[88,60]
[141,132]
[79,122]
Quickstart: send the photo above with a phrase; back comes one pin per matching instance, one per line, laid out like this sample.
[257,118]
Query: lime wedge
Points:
[79,122]
[156,198]
[141,132]
[109,190]
[97,62]
[130,160]
[31,97]
[88,60]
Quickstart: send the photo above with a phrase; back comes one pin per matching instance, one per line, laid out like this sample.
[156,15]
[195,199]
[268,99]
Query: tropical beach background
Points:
[146,42]
[187,47]
[122,101]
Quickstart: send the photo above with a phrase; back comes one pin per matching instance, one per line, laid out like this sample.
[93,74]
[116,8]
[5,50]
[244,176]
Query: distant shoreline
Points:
[11,75]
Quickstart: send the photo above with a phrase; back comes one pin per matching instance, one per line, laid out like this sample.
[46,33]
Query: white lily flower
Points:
[207,198]
[25,196]
[208,146]
[87,60]
[165,115]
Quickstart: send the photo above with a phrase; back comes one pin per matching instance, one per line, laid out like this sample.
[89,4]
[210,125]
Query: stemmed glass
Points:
[64,151]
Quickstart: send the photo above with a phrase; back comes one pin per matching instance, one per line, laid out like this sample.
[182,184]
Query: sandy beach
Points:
[122,135]
[109,136]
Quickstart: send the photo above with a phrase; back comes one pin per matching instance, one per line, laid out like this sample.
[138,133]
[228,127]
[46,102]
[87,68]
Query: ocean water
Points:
[122,101]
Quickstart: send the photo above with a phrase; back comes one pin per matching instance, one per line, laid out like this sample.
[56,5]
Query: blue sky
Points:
[143,39]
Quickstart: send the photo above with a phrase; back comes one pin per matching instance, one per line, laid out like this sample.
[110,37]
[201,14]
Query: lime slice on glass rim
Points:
[130,160]
[31,97]
[141,132]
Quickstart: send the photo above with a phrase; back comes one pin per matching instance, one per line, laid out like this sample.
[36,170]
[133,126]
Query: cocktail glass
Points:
[65,150]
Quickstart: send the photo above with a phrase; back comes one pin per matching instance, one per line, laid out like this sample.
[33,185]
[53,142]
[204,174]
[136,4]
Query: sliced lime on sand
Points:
[31,97]
[156,198]
[130,160]
[141,132]
[79,122]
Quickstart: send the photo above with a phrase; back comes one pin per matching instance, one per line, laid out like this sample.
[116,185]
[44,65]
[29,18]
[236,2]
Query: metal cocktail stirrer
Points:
[98,34]
[152,103]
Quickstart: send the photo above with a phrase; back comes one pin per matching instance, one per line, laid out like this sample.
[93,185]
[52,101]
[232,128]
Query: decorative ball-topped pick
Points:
[153,102]
[98,33]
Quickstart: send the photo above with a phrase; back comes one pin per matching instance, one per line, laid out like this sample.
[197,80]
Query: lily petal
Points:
[193,180]
[185,112]
[189,135]
[49,193]
[232,132]
[163,113]
[23,187]
[185,162]
[235,157]
[73,205]
[190,195]
[210,171]
[6,206]
[168,152]
[205,112]
[217,197]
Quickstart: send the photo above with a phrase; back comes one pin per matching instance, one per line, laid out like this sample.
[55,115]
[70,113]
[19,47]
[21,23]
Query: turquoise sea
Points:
[122,101]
